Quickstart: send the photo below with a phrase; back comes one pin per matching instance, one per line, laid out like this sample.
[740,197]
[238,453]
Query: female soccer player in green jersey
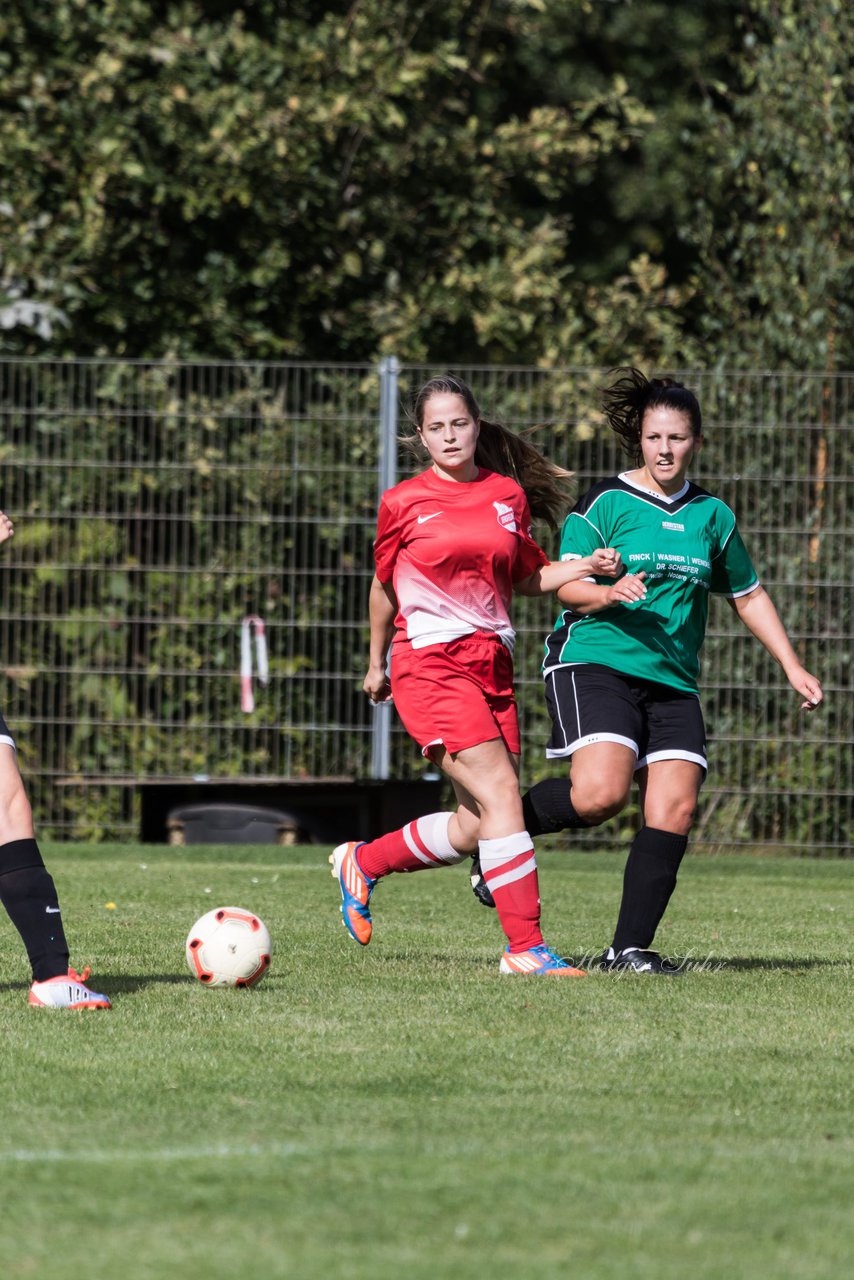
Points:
[622,662]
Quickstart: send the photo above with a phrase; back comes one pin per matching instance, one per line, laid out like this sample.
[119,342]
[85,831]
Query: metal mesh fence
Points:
[157,504]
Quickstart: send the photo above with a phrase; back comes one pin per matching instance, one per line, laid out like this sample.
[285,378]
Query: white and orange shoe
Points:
[539,960]
[67,991]
[356,889]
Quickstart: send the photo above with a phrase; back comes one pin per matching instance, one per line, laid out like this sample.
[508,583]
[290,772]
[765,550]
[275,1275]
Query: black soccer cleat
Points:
[636,960]
[479,887]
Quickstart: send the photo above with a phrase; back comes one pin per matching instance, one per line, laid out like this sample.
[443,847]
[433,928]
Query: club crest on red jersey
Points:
[506,516]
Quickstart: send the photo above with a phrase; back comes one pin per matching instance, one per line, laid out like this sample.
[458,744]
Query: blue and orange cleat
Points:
[356,889]
[67,991]
[539,960]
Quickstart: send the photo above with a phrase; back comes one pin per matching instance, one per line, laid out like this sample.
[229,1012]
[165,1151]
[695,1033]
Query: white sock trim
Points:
[433,833]
[433,830]
[508,877]
[413,847]
[504,849]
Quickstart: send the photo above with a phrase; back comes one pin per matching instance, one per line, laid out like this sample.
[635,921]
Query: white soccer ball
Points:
[229,947]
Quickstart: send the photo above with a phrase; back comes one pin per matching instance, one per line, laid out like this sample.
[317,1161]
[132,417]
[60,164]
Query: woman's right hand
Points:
[628,590]
[376,684]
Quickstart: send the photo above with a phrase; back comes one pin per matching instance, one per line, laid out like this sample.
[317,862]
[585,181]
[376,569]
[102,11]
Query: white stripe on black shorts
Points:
[591,703]
[5,736]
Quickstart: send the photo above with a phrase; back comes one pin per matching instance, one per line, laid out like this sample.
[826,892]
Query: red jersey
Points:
[453,552]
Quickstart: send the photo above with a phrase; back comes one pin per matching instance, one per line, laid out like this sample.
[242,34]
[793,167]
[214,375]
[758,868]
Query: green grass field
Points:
[404,1111]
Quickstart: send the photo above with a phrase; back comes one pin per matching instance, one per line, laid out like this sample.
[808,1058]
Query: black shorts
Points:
[5,735]
[590,703]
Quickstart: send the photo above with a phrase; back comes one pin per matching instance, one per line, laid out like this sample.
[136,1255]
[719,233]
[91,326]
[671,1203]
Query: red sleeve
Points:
[529,554]
[389,541]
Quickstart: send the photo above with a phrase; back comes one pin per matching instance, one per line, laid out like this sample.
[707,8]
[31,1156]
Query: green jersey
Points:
[688,545]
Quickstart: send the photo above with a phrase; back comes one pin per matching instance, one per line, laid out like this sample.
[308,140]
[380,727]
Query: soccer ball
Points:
[229,947]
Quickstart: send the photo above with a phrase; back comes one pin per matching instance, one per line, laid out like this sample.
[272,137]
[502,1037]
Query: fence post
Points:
[389,370]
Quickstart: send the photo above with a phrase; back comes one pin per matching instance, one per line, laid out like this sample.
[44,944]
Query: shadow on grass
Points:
[115,982]
[687,964]
[451,960]
[125,984]
[726,964]
[744,964]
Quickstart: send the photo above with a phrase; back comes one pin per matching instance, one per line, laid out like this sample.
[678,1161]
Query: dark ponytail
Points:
[626,401]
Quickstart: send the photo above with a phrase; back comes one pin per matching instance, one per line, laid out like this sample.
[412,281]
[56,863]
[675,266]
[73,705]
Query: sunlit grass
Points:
[404,1111]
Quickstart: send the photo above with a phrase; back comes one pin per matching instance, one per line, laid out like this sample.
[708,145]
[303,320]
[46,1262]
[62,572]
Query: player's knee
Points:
[601,802]
[16,816]
[677,816]
[683,818]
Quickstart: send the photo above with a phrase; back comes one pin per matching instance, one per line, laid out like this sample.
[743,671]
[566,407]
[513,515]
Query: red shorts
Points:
[457,694]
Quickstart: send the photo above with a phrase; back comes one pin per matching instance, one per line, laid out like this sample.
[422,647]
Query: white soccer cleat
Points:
[67,991]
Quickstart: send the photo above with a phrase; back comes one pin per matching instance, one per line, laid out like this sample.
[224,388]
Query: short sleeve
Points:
[529,554]
[388,542]
[733,573]
[579,537]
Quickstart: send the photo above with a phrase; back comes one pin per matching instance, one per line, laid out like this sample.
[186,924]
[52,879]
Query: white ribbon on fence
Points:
[247,701]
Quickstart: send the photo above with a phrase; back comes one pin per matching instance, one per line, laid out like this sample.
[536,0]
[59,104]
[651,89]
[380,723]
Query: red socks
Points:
[509,868]
[416,847]
[508,864]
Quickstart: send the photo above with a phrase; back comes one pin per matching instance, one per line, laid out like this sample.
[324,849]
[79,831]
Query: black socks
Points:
[651,868]
[648,882]
[28,894]
[547,807]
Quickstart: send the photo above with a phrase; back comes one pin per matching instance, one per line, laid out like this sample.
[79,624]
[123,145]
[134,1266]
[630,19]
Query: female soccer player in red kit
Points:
[452,545]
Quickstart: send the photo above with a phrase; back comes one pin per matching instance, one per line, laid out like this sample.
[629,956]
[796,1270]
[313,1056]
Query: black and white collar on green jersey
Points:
[653,493]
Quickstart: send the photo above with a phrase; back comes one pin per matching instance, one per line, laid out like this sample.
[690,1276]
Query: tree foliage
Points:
[775,222]
[554,182]
[507,181]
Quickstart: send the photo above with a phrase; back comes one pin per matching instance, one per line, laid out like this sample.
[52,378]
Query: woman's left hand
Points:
[806,685]
[7,529]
